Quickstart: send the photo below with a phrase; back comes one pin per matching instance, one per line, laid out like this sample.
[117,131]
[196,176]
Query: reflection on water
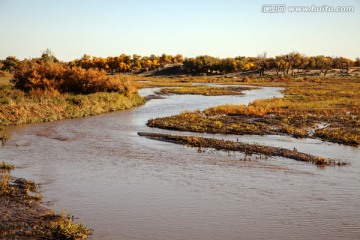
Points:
[128,187]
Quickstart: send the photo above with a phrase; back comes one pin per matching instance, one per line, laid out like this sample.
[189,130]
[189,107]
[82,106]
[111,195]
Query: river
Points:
[128,187]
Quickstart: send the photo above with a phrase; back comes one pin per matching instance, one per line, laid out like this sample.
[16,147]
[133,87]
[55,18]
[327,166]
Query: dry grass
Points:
[66,228]
[19,107]
[248,149]
[205,90]
[307,105]
[56,78]
[23,217]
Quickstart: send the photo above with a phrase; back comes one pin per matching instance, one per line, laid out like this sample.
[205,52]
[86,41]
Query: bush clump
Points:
[57,78]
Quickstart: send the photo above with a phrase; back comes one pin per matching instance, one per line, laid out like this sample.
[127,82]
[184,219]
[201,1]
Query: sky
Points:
[222,28]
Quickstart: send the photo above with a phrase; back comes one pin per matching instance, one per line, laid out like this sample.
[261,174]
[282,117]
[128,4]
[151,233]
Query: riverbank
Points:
[22,214]
[18,107]
[24,217]
[112,178]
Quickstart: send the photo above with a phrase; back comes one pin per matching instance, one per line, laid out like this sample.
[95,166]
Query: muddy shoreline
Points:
[23,216]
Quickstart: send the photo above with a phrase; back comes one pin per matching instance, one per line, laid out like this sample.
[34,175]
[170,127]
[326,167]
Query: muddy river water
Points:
[129,187]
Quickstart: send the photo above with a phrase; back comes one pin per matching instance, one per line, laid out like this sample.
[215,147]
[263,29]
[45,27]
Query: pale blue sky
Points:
[223,28]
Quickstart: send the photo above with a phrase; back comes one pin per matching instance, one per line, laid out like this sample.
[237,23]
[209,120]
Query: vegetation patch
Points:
[65,228]
[248,149]
[44,89]
[24,217]
[21,107]
[55,78]
[205,90]
[329,110]
[154,82]
[6,166]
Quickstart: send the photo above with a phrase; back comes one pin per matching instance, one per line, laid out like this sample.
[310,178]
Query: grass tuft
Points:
[6,166]
[66,228]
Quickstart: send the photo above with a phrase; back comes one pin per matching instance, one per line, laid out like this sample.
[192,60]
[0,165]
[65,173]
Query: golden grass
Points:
[65,228]
[19,107]
[307,105]
[57,77]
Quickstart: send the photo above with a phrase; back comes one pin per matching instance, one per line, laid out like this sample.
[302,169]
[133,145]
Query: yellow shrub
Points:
[53,78]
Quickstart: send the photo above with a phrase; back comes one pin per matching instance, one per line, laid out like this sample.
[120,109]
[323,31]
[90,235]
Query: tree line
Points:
[290,63]
[283,64]
[119,64]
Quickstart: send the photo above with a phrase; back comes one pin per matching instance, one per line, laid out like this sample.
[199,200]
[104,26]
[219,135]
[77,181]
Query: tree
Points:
[280,63]
[241,63]
[10,63]
[270,63]
[166,59]
[207,64]
[293,59]
[325,64]
[48,56]
[146,63]
[84,62]
[227,65]
[113,65]
[357,62]
[189,65]
[312,63]
[100,63]
[178,58]
[261,63]
[136,65]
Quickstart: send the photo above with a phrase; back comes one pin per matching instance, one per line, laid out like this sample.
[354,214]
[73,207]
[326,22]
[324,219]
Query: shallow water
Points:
[128,187]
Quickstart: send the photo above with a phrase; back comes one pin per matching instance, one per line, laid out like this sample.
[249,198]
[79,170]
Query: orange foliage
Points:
[56,78]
